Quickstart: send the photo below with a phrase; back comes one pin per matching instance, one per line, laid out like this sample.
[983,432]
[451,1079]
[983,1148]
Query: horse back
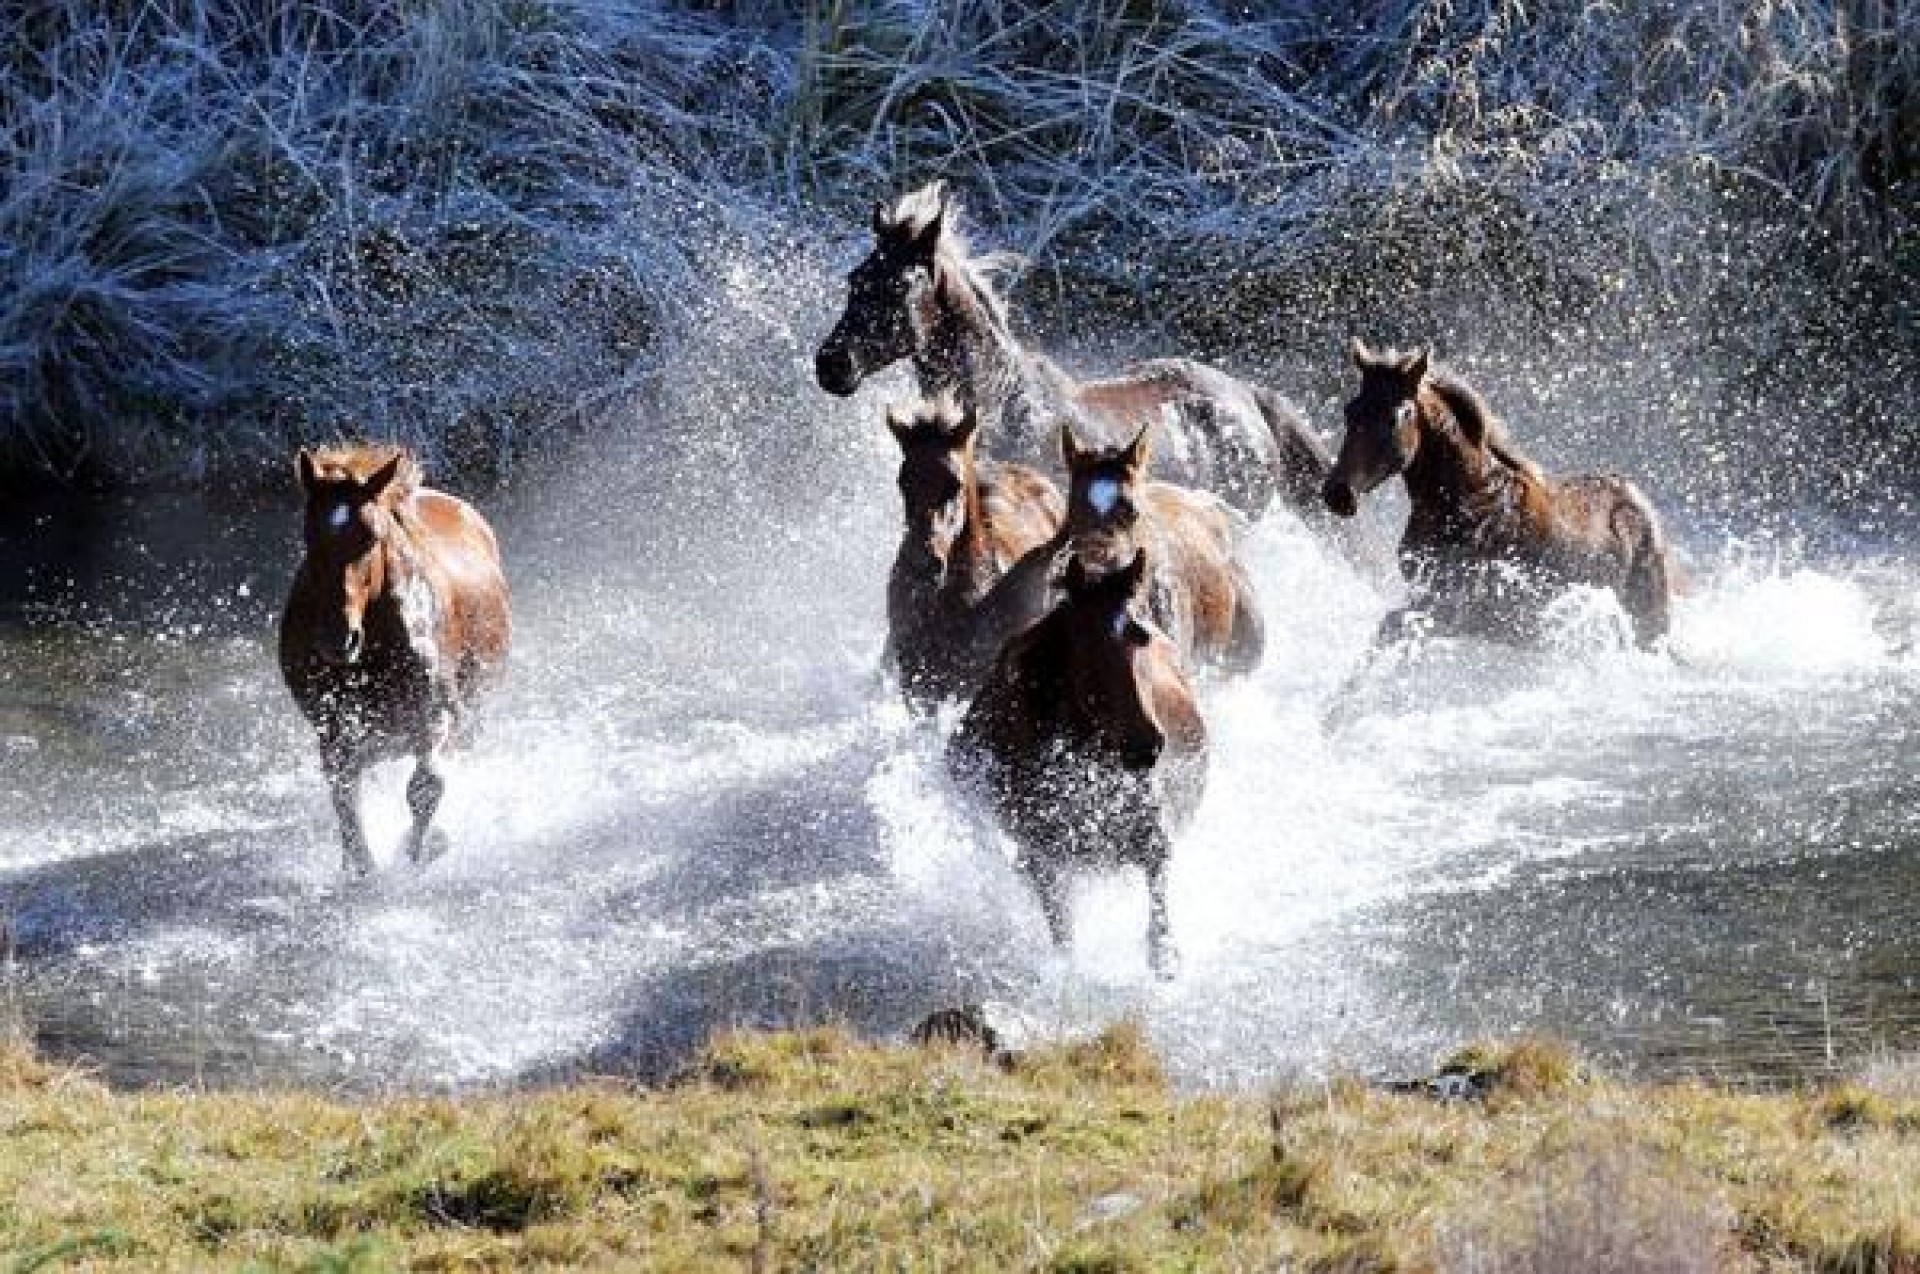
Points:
[1024,508]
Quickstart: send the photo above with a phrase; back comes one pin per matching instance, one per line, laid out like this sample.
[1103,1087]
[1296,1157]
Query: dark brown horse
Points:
[1200,594]
[397,619]
[1088,744]
[920,295]
[1491,539]
[950,601]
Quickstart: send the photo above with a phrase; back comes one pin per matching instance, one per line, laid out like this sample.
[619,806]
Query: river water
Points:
[696,804]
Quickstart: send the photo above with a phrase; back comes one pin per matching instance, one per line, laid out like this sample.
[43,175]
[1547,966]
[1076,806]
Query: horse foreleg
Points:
[343,769]
[425,842]
[1161,956]
[1405,627]
[1047,883]
[1647,595]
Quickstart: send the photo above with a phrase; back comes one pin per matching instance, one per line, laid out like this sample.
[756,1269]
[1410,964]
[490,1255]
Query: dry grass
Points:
[813,1150]
[470,226]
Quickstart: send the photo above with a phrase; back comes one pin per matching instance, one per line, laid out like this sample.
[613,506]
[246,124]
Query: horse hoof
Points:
[427,848]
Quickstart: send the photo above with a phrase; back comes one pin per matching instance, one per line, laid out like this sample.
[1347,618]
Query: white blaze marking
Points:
[1103,493]
[341,517]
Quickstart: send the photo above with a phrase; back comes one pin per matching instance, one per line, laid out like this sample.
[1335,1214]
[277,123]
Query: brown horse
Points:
[1088,744]
[397,619]
[1200,594]
[920,295]
[1491,539]
[951,601]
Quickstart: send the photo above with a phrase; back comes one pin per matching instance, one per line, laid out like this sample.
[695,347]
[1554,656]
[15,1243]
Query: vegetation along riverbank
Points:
[812,1150]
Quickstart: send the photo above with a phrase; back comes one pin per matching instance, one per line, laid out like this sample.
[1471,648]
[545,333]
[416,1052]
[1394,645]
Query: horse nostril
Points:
[1340,498]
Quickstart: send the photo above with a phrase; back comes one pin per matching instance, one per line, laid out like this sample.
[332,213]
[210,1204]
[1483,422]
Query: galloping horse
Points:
[397,619]
[1491,539]
[919,295]
[1088,744]
[1199,592]
[951,601]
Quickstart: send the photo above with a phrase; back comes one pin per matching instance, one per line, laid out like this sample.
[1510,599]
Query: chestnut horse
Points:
[397,619]
[1491,539]
[1088,744]
[950,600]
[1199,594]
[920,295]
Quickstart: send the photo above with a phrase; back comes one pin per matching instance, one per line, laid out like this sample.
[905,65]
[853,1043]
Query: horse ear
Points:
[1357,350]
[969,425]
[1416,365]
[927,242]
[1140,450]
[309,473]
[1069,446]
[381,478]
[898,425]
[1135,573]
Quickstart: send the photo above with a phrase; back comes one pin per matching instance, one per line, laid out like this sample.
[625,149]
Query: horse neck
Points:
[967,348]
[407,583]
[1450,473]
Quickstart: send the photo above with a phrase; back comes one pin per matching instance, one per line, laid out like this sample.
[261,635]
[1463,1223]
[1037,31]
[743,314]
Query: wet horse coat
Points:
[967,574]
[919,295]
[397,620]
[1199,592]
[1491,539]
[1088,744]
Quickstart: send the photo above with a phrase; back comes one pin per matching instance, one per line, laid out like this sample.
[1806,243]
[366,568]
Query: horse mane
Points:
[908,216]
[1478,420]
[356,462]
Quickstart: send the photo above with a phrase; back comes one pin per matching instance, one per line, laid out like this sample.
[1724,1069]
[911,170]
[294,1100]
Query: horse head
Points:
[936,477]
[1383,425]
[1103,492]
[1106,680]
[887,293]
[349,517]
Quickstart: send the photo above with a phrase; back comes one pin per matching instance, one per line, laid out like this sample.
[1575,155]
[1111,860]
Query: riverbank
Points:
[814,1150]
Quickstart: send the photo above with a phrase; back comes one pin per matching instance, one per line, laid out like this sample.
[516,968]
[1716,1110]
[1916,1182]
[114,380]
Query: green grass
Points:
[814,1151]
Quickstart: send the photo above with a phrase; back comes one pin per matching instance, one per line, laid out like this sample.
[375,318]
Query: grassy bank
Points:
[811,1150]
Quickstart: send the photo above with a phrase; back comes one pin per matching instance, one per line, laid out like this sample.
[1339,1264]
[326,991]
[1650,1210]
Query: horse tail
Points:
[1247,640]
[1647,591]
[1301,462]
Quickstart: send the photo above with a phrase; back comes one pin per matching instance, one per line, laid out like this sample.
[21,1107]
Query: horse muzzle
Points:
[836,371]
[346,652]
[1340,497]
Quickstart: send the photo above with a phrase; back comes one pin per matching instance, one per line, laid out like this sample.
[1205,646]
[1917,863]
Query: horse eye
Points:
[1403,413]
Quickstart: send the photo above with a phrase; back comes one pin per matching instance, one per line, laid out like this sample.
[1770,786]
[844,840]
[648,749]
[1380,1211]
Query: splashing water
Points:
[698,803]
